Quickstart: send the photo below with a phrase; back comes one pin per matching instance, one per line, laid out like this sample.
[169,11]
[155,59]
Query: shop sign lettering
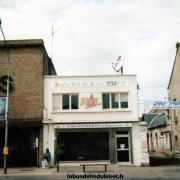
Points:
[92,125]
[162,105]
[117,83]
[84,84]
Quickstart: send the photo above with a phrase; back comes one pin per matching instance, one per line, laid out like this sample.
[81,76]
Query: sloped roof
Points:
[156,111]
[149,117]
[158,120]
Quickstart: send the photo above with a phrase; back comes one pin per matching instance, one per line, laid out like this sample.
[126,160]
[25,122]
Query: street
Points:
[160,159]
[162,167]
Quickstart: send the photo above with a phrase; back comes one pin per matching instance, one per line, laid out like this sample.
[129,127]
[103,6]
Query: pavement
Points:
[122,172]
[160,168]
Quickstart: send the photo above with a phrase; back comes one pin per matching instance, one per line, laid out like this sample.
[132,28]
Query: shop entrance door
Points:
[123,148]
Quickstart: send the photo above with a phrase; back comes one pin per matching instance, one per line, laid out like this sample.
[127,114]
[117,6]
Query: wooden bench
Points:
[95,164]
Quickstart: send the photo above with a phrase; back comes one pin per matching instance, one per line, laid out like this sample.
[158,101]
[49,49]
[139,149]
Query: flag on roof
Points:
[118,64]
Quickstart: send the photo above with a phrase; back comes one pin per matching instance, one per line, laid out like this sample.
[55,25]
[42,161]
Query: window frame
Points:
[119,100]
[70,101]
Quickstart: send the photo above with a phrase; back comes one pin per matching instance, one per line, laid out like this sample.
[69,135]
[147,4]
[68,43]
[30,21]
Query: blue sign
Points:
[2,108]
[163,105]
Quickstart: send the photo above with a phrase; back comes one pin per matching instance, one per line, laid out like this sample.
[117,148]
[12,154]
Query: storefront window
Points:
[83,146]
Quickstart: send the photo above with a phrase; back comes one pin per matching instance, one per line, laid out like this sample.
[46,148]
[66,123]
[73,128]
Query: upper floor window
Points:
[115,100]
[56,102]
[70,101]
[124,100]
[106,101]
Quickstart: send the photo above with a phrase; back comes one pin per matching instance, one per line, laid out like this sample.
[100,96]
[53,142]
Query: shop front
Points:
[91,119]
[87,144]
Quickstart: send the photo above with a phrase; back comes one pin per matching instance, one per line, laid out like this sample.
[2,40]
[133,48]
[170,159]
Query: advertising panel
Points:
[162,105]
[2,108]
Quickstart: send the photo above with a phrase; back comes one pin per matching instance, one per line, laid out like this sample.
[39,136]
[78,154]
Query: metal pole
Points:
[7,105]
[57,159]
[52,36]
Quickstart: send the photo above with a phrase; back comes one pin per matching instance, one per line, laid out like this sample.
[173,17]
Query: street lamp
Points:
[5,150]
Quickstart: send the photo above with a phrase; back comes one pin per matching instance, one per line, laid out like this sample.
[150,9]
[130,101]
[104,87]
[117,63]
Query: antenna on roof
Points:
[52,36]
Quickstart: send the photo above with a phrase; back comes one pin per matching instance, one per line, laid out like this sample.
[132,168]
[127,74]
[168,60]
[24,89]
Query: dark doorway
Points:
[123,148]
[22,150]
[79,146]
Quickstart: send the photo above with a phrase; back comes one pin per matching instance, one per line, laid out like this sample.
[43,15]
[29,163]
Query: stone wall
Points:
[143,144]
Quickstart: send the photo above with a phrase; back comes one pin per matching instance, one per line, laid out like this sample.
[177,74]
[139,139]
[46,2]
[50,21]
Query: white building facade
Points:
[94,118]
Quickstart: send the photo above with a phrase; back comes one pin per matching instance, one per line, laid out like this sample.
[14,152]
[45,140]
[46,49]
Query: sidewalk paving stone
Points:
[129,172]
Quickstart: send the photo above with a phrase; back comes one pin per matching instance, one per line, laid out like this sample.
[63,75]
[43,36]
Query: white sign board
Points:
[92,125]
[85,84]
[162,105]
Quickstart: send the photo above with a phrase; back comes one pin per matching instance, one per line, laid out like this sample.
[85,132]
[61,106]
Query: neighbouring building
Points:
[94,118]
[29,62]
[159,132]
[174,94]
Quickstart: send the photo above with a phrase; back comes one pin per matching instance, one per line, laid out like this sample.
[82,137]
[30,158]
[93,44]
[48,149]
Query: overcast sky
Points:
[94,32]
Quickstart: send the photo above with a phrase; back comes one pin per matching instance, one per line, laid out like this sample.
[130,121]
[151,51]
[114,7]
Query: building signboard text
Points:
[87,84]
[92,125]
[163,105]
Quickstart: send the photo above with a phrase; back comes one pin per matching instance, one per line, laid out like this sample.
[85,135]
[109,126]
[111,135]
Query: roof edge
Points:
[92,75]
[23,42]
[177,48]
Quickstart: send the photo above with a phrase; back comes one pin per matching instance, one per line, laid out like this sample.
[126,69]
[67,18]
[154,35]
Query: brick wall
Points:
[26,70]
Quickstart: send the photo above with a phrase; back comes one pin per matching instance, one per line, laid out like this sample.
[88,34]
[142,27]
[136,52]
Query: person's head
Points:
[47,150]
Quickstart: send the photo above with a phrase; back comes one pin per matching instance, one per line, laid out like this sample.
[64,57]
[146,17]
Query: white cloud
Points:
[93,33]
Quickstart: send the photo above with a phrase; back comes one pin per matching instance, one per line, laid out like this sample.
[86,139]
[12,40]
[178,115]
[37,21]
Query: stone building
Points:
[174,94]
[159,132]
[94,118]
[29,62]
